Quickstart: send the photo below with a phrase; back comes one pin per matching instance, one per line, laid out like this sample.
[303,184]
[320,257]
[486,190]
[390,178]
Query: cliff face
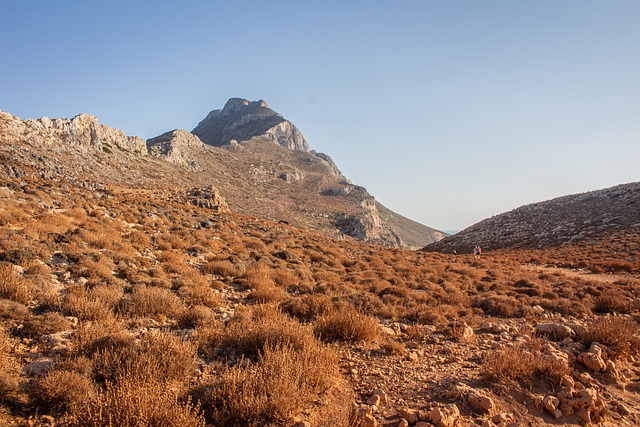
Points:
[83,131]
[241,120]
[563,220]
[178,147]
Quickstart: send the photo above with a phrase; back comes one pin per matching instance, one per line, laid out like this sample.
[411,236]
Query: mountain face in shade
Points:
[560,221]
[241,120]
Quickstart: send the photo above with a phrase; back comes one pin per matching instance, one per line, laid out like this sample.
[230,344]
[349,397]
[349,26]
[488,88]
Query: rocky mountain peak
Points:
[178,147]
[241,120]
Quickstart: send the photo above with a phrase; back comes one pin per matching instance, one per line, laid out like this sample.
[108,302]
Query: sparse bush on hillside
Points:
[46,323]
[130,402]
[522,365]
[347,324]
[62,389]
[283,381]
[613,331]
[8,366]
[13,287]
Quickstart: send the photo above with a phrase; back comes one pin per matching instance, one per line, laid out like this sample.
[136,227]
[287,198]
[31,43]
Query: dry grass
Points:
[63,389]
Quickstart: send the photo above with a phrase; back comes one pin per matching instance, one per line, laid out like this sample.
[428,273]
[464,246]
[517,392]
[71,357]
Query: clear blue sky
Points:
[447,111]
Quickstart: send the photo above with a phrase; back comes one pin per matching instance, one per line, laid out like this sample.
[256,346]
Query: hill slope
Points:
[556,222]
[272,175]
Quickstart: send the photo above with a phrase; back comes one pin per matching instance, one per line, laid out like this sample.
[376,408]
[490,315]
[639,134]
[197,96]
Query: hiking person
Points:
[477,251]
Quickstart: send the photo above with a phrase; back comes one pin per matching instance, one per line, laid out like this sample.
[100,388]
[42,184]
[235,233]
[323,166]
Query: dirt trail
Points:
[580,273]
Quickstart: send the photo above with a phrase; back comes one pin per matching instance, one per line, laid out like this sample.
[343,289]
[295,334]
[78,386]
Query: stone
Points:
[567,381]
[369,421]
[39,367]
[554,330]
[383,396]
[403,423]
[503,418]
[551,404]
[374,400]
[592,360]
[302,424]
[446,416]
[409,414]
[479,401]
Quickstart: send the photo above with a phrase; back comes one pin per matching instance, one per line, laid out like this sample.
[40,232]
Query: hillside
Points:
[272,175]
[561,221]
[119,305]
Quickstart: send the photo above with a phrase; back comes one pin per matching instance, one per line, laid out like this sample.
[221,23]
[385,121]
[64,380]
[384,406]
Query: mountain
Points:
[260,163]
[564,220]
[241,120]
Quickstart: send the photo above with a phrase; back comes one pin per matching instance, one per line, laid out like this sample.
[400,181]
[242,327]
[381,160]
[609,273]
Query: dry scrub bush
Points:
[62,389]
[13,287]
[521,364]
[611,302]
[8,366]
[284,381]
[615,332]
[134,404]
[157,357]
[307,307]
[44,324]
[196,317]
[221,268]
[14,311]
[87,304]
[347,324]
[145,301]
[251,330]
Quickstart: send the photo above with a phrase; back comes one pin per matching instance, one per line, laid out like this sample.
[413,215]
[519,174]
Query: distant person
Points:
[477,251]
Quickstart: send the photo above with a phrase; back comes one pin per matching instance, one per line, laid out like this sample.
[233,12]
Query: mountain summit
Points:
[241,120]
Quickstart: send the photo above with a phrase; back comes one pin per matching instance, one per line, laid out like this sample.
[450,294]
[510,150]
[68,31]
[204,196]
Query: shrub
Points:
[196,316]
[157,357]
[282,383]
[13,287]
[63,389]
[8,366]
[521,364]
[611,302]
[152,302]
[47,323]
[250,331]
[613,331]
[347,325]
[130,402]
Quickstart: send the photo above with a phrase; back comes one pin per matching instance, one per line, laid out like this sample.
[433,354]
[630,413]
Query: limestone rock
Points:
[177,147]
[480,401]
[593,360]
[555,330]
[207,197]
[446,416]
[39,366]
[241,120]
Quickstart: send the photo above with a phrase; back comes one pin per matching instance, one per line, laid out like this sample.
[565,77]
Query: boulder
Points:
[446,416]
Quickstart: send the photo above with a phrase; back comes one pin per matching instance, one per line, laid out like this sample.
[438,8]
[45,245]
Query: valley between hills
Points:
[233,276]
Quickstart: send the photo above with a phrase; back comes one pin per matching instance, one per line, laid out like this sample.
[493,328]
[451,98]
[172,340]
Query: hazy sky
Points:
[447,111]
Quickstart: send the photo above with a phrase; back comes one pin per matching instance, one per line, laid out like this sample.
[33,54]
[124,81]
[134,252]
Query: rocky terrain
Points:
[137,289]
[260,162]
[130,306]
[561,221]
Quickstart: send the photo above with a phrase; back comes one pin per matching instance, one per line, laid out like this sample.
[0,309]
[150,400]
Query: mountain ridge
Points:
[555,222]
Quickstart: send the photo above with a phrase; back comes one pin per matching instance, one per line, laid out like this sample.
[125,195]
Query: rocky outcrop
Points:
[241,120]
[178,147]
[207,197]
[83,132]
[564,220]
[368,227]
